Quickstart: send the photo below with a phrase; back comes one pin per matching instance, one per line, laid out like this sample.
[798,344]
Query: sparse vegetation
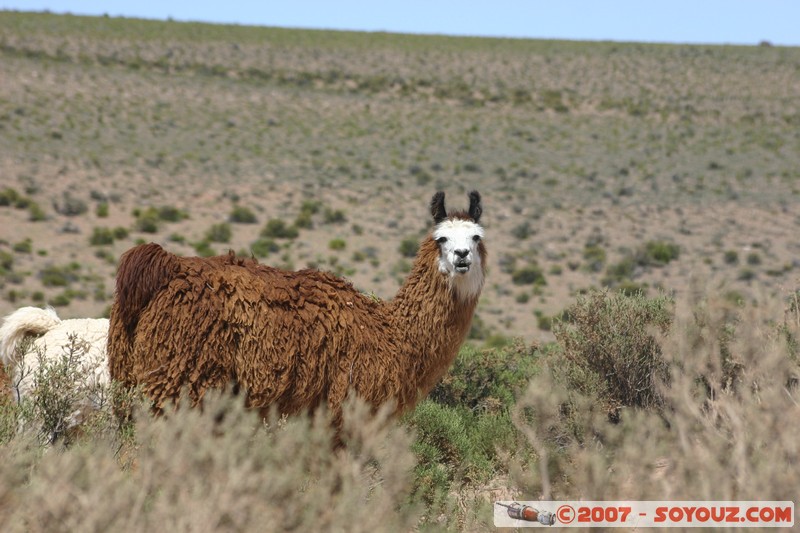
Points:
[531,274]
[337,244]
[276,228]
[409,247]
[242,215]
[263,247]
[24,246]
[219,233]
[617,183]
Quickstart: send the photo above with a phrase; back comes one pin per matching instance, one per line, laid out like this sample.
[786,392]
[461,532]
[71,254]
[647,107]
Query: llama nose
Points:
[461,253]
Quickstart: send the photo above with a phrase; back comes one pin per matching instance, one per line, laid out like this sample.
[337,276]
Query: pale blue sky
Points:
[675,21]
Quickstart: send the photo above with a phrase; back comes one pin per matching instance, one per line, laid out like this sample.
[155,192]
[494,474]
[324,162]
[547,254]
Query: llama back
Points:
[142,271]
[21,323]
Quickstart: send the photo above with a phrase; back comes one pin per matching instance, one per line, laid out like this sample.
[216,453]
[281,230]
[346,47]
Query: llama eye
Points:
[476,238]
[441,240]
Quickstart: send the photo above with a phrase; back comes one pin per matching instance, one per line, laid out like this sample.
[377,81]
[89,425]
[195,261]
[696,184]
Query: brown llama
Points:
[294,340]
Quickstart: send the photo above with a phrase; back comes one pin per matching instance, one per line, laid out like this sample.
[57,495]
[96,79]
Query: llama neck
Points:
[433,315]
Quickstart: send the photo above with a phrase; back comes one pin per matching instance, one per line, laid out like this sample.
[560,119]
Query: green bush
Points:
[449,451]
[487,380]
[101,211]
[594,257]
[169,213]
[24,247]
[276,228]
[657,253]
[531,274]
[147,221]
[263,247]
[56,276]
[731,257]
[219,233]
[311,207]
[36,213]
[337,244]
[620,272]
[9,197]
[753,259]
[6,262]
[609,350]
[204,249]
[522,231]
[334,216]
[101,236]
[242,215]
[409,247]
[304,220]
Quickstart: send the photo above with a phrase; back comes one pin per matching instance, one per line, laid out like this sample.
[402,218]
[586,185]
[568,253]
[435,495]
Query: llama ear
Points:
[475,208]
[438,211]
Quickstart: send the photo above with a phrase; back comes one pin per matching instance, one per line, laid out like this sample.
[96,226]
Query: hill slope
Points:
[600,163]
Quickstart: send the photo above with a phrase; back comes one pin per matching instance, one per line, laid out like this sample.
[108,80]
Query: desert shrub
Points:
[242,215]
[304,220]
[731,257]
[522,231]
[487,380]
[311,207]
[465,421]
[36,213]
[531,274]
[101,236]
[61,386]
[147,221]
[747,274]
[337,244]
[276,228]
[9,197]
[753,259]
[334,216]
[219,233]
[6,261]
[609,349]
[657,253]
[71,206]
[59,276]
[120,233]
[170,213]
[712,442]
[221,469]
[24,246]
[594,258]
[101,211]
[203,249]
[619,272]
[409,247]
[264,246]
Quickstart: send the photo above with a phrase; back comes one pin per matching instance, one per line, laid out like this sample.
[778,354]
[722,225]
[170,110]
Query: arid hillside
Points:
[601,164]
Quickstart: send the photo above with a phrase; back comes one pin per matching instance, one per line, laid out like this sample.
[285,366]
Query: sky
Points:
[669,21]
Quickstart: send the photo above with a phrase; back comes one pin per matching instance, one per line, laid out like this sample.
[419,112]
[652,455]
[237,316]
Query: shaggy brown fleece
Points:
[288,339]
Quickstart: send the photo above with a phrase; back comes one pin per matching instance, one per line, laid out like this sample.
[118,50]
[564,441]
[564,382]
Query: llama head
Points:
[462,255]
